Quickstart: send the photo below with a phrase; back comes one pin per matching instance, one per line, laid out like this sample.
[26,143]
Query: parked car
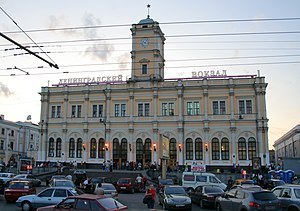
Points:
[18,188]
[96,180]
[174,178]
[2,186]
[249,187]
[206,195]
[57,176]
[36,182]
[128,184]
[108,189]
[272,183]
[174,197]
[289,196]
[244,182]
[191,180]
[62,183]
[86,202]
[49,196]
[246,200]
[163,182]
[7,177]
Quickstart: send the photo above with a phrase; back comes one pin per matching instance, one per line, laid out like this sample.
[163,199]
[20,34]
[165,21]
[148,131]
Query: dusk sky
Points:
[92,38]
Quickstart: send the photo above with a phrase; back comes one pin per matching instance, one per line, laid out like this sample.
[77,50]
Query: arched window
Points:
[72,148]
[101,149]
[251,148]
[124,149]
[93,148]
[173,149]
[198,149]
[215,149]
[58,147]
[139,150]
[242,152]
[225,149]
[79,148]
[189,149]
[116,149]
[148,150]
[51,148]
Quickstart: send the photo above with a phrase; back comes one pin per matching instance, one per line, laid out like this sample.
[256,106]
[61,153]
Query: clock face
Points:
[145,42]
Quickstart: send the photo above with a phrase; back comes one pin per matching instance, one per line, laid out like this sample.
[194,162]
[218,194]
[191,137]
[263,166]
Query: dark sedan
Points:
[174,197]
[206,195]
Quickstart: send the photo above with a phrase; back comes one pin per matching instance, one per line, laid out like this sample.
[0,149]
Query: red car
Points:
[128,185]
[86,202]
[17,189]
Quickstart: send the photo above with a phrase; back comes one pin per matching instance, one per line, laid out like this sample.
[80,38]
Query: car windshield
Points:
[297,193]
[175,190]
[18,185]
[264,196]
[166,182]
[123,181]
[213,190]
[64,183]
[110,203]
[20,176]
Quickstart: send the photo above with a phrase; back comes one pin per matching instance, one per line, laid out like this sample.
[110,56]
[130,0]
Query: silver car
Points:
[49,196]
[7,177]
[36,182]
[289,196]
[248,200]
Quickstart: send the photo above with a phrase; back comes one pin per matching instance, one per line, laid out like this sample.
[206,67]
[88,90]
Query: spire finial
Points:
[148,7]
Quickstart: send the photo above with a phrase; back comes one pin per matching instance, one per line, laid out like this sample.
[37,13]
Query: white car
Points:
[7,177]
[289,196]
[36,182]
[47,197]
[106,189]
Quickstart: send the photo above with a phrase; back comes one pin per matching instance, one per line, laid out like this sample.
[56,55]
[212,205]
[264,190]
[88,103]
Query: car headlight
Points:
[169,200]
[188,200]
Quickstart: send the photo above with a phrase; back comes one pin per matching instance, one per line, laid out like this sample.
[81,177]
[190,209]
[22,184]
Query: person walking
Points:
[229,183]
[151,194]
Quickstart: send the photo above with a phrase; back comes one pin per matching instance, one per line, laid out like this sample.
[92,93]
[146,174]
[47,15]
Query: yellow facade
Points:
[213,121]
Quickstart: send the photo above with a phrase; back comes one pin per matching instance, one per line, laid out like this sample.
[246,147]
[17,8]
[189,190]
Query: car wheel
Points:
[201,203]
[164,206]
[218,207]
[26,206]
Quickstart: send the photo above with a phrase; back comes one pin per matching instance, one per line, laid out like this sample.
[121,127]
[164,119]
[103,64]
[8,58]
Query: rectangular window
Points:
[79,111]
[171,109]
[147,109]
[76,111]
[164,109]
[117,110]
[73,111]
[144,69]
[12,133]
[53,112]
[2,144]
[140,109]
[97,111]
[168,109]
[3,131]
[193,108]
[219,107]
[11,145]
[189,108]
[58,115]
[94,111]
[123,109]
[245,106]
[31,136]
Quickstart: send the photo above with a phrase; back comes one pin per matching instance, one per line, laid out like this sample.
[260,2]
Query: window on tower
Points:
[144,69]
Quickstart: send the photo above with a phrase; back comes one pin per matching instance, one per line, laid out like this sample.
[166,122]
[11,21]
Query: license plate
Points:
[270,207]
[179,205]
[123,187]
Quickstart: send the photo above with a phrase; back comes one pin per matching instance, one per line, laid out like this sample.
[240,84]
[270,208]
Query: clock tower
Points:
[147,51]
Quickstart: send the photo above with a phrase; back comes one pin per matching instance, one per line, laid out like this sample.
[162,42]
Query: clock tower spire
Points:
[147,50]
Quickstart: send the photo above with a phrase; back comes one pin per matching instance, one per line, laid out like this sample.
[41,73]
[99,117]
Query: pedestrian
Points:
[139,180]
[229,183]
[150,195]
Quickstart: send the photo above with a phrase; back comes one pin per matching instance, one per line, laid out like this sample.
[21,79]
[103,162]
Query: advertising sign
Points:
[165,143]
[256,163]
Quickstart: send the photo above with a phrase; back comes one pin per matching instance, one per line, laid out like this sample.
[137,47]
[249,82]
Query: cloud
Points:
[123,60]
[59,22]
[101,50]
[4,90]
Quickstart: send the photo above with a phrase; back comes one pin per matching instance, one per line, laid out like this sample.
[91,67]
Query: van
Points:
[191,180]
